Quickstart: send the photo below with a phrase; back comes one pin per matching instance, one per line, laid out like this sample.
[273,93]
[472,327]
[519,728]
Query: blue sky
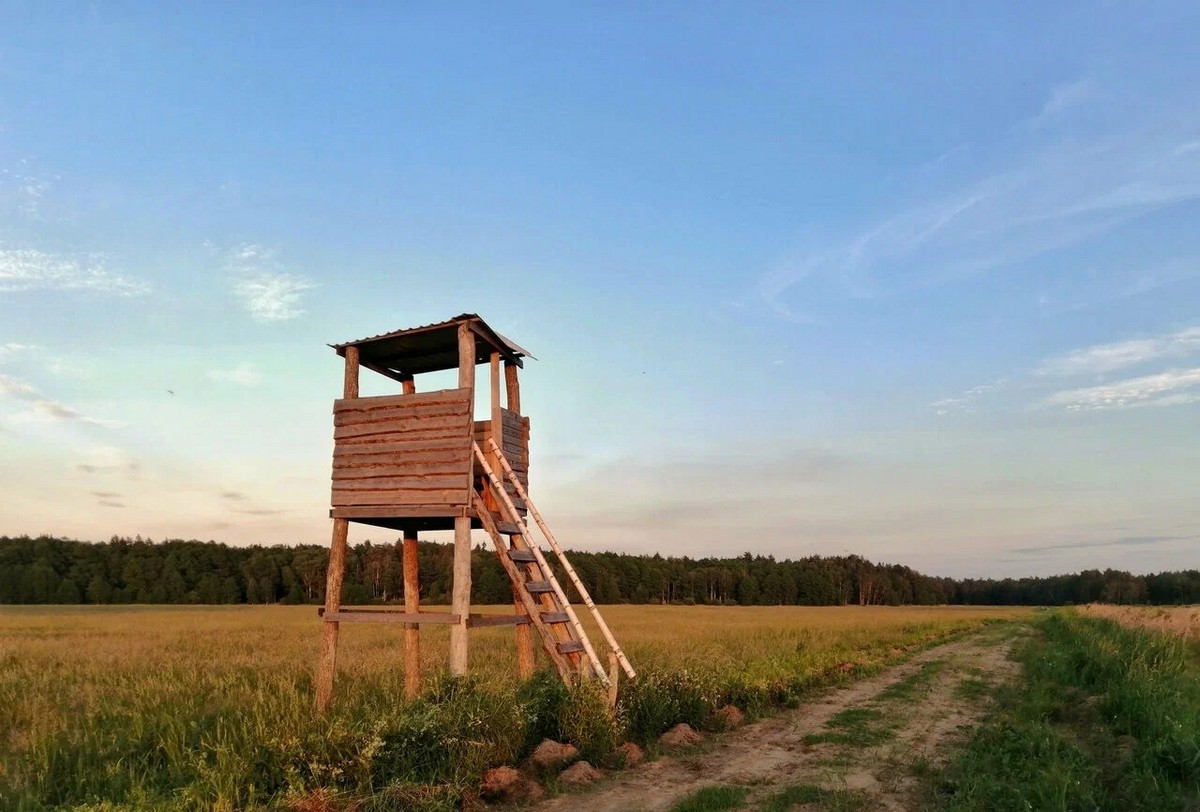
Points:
[915,283]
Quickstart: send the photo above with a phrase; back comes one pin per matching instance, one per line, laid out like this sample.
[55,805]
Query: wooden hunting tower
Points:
[420,461]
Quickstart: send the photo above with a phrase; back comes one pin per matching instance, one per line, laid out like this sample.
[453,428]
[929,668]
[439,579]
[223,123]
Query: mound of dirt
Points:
[507,785]
[580,774]
[728,717]
[629,755]
[682,735]
[550,755]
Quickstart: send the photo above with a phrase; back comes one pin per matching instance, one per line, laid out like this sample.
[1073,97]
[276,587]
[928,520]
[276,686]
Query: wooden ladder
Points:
[545,601]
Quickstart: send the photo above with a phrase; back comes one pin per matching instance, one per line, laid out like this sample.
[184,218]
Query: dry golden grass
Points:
[204,686]
[1179,621]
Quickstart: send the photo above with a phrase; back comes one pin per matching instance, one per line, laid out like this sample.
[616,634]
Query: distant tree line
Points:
[49,570]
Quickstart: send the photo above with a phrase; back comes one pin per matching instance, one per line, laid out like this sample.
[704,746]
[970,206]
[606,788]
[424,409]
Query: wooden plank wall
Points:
[399,450]
[516,448]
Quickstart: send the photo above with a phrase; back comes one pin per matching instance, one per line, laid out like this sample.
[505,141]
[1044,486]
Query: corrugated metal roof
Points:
[431,347]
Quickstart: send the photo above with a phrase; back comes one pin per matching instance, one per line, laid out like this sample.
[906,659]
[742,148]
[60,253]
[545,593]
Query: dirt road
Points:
[863,746]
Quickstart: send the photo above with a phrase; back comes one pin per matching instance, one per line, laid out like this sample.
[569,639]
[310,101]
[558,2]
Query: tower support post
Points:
[461,590]
[327,665]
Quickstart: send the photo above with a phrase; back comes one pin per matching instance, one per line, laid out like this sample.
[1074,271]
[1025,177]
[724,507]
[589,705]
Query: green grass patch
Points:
[972,688]
[830,800]
[908,687]
[854,727]
[713,799]
[1104,718]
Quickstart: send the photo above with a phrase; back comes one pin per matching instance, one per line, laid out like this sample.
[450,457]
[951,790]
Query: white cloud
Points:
[1170,388]
[966,401]
[272,297]
[1102,358]
[13,348]
[245,374]
[1055,193]
[43,408]
[1063,98]
[107,459]
[267,292]
[24,190]
[24,270]
[12,388]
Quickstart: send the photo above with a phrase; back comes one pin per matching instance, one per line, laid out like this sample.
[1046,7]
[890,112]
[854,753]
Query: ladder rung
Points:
[555,617]
[522,556]
[538,587]
[570,647]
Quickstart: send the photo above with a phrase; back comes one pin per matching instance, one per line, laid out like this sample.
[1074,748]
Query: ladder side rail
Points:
[531,609]
[498,486]
[562,557]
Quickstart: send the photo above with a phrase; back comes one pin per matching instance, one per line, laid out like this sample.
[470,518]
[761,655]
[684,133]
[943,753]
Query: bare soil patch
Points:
[866,743]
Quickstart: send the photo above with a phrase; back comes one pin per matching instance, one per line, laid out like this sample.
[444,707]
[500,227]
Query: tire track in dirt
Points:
[864,742]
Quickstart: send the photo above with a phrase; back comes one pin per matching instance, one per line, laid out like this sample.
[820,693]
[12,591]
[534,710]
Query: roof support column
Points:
[461,590]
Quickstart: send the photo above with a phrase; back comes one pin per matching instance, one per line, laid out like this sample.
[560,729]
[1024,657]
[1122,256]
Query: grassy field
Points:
[1106,716]
[210,708]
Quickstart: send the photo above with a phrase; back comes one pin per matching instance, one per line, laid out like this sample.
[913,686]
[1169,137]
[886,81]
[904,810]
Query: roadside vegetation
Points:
[1105,718]
[109,708]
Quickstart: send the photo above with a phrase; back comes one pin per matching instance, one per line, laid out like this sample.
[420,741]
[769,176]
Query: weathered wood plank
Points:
[351,418]
[405,511]
[405,448]
[405,429]
[368,616]
[457,496]
[420,399]
[403,459]
[476,621]
[426,482]
[356,469]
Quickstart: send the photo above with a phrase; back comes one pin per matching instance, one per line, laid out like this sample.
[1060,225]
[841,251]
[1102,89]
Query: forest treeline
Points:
[47,570]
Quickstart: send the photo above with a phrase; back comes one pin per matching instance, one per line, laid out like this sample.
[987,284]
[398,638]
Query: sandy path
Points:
[914,713]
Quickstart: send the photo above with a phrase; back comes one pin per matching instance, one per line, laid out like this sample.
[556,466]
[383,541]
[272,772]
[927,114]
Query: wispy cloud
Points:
[1171,388]
[1062,98]
[966,402]
[24,190]
[107,459]
[266,290]
[24,270]
[43,407]
[1103,358]
[12,388]
[1123,541]
[12,349]
[244,374]
[1058,192]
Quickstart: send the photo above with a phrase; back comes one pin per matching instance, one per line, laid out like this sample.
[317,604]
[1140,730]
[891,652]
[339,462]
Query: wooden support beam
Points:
[384,371]
[411,618]
[461,588]
[461,595]
[350,380]
[412,594]
[475,620]
[412,605]
[327,666]
[513,387]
